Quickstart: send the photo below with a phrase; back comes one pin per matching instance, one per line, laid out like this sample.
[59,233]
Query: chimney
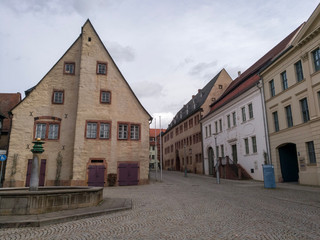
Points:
[199,90]
[193,96]
[239,73]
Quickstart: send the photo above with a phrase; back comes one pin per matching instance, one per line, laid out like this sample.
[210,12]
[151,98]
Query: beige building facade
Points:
[292,95]
[182,142]
[90,119]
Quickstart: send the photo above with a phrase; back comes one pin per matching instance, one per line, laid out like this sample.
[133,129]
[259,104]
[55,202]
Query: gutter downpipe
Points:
[265,122]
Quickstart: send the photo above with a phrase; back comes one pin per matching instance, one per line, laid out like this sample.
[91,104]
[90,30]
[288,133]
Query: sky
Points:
[166,50]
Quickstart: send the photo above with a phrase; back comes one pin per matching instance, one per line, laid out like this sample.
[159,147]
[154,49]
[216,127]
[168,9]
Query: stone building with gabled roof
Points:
[90,119]
[182,142]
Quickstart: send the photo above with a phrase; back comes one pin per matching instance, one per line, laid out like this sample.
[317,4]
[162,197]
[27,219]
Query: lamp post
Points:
[37,150]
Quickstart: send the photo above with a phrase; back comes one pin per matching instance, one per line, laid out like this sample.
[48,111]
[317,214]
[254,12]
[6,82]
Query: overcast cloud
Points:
[166,50]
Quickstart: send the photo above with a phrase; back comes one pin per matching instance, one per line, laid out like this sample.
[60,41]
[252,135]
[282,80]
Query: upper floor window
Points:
[69,68]
[57,97]
[47,130]
[275,121]
[289,116]
[220,125]
[104,130]
[216,126]
[272,90]
[98,129]
[228,121]
[316,59]
[209,130]
[123,131]
[105,97]
[243,112]
[299,72]
[284,80]
[234,119]
[101,68]
[92,130]
[135,132]
[222,150]
[304,110]
[250,108]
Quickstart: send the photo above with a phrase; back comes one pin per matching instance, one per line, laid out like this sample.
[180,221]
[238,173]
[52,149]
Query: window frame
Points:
[53,100]
[101,95]
[243,114]
[299,71]
[304,112]
[272,88]
[234,119]
[228,121]
[246,146]
[254,144]
[284,80]
[250,110]
[47,128]
[129,137]
[133,138]
[98,68]
[276,121]
[67,72]
[98,129]
[289,118]
[316,59]
[311,152]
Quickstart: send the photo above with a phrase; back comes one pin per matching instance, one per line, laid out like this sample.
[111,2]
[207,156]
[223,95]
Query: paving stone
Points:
[196,207]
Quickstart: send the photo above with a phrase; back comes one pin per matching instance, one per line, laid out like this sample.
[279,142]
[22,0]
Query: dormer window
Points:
[101,68]
[69,68]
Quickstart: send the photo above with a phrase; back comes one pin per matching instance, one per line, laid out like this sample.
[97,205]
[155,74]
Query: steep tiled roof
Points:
[194,105]
[251,76]
[154,133]
[7,102]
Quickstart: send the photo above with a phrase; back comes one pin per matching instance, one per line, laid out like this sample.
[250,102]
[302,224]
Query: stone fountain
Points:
[37,200]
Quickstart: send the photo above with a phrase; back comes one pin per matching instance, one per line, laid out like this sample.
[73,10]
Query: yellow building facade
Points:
[292,96]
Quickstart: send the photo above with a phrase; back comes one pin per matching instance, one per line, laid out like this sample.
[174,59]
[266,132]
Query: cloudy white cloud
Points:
[174,47]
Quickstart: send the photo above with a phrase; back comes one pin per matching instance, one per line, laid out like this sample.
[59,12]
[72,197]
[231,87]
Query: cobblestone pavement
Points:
[196,207]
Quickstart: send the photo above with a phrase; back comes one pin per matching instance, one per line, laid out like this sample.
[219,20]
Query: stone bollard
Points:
[37,150]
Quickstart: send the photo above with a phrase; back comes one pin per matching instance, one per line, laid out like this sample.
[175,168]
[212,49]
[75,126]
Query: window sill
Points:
[312,164]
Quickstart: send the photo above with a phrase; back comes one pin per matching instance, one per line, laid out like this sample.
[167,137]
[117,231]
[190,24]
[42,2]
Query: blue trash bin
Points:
[268,176]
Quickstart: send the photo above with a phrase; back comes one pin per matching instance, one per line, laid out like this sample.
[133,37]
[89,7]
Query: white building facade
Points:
[237,130]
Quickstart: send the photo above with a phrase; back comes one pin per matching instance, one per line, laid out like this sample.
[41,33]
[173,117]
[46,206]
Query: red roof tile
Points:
[7,102]
[154,133]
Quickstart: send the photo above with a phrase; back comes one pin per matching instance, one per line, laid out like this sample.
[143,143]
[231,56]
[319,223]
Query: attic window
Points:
[89,39]
[102,68]
[220,86]
[69,68]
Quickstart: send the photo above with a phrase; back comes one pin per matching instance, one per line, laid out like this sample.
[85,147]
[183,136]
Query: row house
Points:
[154,147]
[182,142]
[234,130]
[90,119]
[292,93]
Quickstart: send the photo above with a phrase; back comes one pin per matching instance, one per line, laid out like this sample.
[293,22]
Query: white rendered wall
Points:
[237,134]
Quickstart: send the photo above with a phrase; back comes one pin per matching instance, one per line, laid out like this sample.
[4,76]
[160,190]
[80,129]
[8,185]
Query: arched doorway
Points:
[177,161]
[211,160]
[289,162]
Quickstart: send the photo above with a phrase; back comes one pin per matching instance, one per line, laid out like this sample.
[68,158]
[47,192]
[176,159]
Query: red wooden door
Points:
[96,175]
[42,172]
[128,174]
